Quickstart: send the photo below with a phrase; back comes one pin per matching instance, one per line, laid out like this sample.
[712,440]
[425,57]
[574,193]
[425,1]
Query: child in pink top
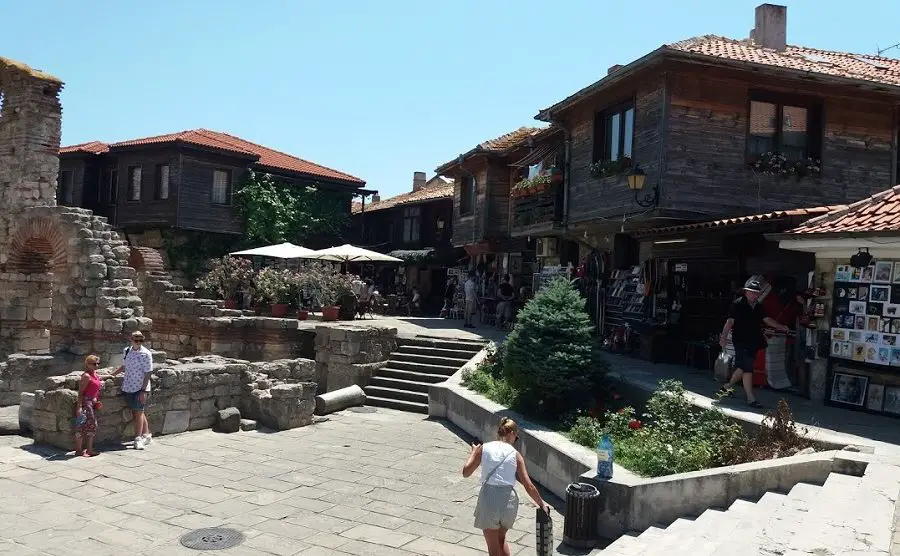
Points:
[85,408]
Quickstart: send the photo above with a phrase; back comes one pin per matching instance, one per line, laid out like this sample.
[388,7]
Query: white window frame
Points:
[162,185]
[221,189]
[135,180]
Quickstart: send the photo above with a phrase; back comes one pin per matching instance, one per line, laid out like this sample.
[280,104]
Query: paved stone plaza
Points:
[382,483]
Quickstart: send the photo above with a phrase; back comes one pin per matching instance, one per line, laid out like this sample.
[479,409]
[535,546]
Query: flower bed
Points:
[548,371]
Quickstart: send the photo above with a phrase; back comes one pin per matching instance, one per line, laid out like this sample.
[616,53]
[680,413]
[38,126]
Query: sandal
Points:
[725,391]
[755,404]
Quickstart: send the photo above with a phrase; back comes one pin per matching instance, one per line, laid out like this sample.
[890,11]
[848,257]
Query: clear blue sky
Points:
[376,89]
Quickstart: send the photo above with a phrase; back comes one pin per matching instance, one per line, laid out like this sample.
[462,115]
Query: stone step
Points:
[471,346]
[229,313]
[451,362]
[436,352]
[400,384]
[411,407]
[410,376]
[396,394]
[425,368]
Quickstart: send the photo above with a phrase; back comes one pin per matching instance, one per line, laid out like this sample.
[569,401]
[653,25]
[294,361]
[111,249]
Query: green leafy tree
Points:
[276,211]
[551,357]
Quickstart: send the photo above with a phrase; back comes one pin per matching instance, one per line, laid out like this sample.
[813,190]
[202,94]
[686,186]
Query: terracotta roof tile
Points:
[864,67]
[427,193]
[498,145]
[735,221]
[264,156]
[880,212]
[91,147]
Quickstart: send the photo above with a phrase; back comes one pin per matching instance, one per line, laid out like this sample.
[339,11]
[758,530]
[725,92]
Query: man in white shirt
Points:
[471,299]
[138,367]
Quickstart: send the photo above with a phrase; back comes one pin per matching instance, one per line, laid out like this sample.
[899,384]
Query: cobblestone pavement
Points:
[366,484]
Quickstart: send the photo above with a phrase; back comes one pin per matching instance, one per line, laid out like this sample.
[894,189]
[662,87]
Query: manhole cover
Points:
[215,538]
[363,409]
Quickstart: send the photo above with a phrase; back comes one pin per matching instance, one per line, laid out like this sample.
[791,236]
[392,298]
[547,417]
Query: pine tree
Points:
[551,356]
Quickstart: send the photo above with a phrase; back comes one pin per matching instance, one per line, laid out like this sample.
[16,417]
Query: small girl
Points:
[85,409]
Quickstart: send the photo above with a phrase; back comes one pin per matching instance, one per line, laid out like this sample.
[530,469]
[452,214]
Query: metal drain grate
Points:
[215,538]
[363,409]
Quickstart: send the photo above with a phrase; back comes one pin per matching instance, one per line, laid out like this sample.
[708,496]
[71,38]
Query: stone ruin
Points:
[67,289]
[70,285]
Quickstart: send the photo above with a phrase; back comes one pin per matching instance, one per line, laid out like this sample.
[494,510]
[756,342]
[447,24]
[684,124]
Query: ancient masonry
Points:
[67,287]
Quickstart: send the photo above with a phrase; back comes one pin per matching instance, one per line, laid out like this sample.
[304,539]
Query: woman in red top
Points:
[85,415]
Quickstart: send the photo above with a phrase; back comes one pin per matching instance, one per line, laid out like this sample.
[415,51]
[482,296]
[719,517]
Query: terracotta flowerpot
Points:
[302,314]
[330,313]
[278,309]
[230,304]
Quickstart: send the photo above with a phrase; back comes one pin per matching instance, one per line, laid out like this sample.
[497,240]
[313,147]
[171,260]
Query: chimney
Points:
[771,27]
[376,198]
[613,69]
[418,180]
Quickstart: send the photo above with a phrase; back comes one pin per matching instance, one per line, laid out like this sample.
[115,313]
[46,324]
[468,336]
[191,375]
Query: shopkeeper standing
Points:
[745,322]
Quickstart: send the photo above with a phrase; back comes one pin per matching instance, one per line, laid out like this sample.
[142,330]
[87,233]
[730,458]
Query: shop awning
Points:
[412,255]
[537,155]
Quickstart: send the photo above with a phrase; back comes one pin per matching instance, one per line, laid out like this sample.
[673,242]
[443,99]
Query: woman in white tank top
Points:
[501,465]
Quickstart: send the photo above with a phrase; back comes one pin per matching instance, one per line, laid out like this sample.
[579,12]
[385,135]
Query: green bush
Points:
[672,437]
[481,380]
[551,356]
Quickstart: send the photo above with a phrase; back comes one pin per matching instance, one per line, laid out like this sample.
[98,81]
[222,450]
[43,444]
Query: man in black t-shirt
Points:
[745,323]
[505,293]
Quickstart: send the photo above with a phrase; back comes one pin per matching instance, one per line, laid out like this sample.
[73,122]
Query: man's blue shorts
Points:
[132,401]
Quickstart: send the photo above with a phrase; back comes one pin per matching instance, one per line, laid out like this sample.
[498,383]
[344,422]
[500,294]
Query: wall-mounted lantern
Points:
[636,179]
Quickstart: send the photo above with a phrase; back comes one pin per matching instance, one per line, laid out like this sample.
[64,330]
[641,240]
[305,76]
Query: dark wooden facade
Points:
[101,183]
[691,124]
[385,230]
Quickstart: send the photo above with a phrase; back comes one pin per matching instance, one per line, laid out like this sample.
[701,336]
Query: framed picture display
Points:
[892,399]
[851,389]
[896,274]
[858,307]
[883,271]
[875,397]
[868,274]
[879,294]
[842,274]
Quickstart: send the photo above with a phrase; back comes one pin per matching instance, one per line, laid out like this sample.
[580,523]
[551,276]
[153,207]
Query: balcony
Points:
[537,211]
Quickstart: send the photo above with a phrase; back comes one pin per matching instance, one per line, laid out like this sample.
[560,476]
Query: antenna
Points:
[883,50]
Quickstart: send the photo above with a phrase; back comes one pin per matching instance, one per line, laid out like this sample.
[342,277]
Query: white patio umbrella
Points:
[284,250]
[350,254]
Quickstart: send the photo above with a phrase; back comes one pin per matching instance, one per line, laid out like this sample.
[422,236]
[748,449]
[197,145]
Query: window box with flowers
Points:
[532,186]
[777,164]
[607,168]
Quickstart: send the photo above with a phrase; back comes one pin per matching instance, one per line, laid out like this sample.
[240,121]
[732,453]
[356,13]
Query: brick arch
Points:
[39,245]
[146,259]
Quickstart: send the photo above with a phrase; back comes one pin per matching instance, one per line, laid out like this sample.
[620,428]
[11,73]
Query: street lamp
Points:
[636,180]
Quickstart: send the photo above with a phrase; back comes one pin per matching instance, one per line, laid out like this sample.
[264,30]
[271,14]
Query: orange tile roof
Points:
[264,156]
[496,145]
[735,221]
[91,147]
[427,193]
[862,68]
[878,213]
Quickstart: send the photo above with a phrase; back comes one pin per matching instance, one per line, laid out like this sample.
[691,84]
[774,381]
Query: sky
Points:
[375,89]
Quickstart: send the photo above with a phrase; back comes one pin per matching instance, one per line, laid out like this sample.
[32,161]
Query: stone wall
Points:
[186,395]
[350,355]
[67,287]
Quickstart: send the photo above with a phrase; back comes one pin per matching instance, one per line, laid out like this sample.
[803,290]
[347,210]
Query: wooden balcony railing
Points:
[544,208]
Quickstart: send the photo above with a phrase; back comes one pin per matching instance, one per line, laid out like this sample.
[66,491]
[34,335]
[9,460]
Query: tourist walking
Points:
[449,296]
[505,293]
[498,504]
[138,367]
[745,323]
[470,290]
[86,407]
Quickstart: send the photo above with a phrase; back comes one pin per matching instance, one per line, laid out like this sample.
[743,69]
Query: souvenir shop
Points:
[671,306]
[864,347]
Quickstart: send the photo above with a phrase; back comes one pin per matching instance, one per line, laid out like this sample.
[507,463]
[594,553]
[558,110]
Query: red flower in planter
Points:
[635,424]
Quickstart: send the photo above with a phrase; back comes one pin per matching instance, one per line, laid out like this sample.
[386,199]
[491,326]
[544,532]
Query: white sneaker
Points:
[138,443]
[148,439]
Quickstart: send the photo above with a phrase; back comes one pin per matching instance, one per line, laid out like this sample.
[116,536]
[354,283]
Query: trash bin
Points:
[582,512]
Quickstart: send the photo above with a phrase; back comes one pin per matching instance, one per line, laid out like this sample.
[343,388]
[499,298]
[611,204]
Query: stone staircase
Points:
[846,515]
[418,362]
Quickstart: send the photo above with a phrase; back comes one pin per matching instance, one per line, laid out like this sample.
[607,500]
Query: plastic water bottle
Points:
[605,454]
